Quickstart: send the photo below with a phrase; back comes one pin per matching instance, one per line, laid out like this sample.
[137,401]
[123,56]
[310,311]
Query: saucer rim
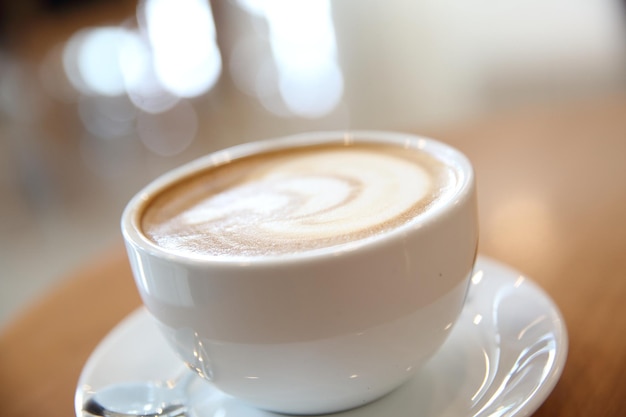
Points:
[504,273]
[559,329]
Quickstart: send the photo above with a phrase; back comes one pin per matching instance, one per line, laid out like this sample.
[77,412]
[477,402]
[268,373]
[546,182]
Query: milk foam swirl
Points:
[291,202]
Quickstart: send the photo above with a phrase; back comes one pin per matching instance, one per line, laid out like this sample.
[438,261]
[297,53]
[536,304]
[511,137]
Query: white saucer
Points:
[503,357]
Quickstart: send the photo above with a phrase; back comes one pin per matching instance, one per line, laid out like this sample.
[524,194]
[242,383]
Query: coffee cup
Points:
[308,274]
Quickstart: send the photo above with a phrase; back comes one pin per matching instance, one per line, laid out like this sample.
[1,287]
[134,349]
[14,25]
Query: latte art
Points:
[294,201]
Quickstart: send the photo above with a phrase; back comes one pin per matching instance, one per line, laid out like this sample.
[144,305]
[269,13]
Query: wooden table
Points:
[552,189]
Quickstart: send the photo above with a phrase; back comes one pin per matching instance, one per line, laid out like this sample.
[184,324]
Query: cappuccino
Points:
[296,200]
[357,246]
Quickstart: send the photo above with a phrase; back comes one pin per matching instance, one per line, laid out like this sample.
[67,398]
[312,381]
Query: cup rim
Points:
[131,216]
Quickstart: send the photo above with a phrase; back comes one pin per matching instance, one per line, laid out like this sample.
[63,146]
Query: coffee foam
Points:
[295,201]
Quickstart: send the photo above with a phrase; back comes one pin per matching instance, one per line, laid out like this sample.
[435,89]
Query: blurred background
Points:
[99,97]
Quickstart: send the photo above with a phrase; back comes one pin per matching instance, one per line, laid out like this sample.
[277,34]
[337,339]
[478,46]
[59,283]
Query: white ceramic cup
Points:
[317,332]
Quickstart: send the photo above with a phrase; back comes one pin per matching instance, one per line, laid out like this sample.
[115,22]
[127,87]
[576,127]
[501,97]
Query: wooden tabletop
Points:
[552,190]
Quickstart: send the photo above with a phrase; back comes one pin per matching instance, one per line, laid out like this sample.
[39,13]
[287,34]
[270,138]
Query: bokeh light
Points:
[171,132]
[182,35]
[314,91]
[107,117]
[142,84]
[91,61]
[132,80]
[304,77]
[172,54]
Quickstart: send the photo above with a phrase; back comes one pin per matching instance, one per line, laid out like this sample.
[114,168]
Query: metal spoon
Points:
[141,399]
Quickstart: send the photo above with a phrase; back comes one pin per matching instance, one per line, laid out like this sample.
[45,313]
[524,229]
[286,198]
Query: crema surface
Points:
[295,200]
